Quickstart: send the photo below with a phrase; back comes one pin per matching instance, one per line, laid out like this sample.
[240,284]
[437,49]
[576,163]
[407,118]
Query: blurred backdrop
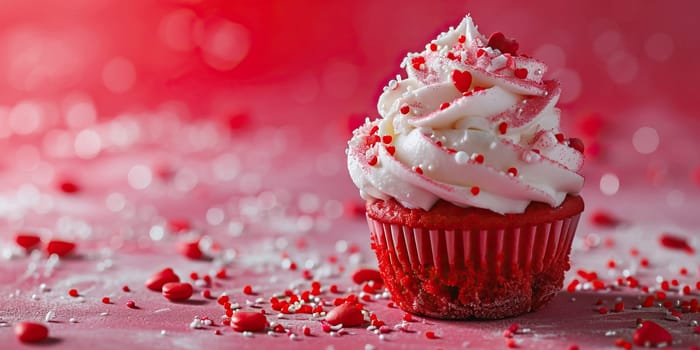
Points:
[628,69]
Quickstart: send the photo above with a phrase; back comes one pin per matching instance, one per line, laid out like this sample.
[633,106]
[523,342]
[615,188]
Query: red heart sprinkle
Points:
[27,240]
[365,275]
[60,248]
[177,291]
[520,73]
[347,314]
[499,41]
[30,332]
[158,279]
[651,334]
[190,250]
[462,80]
[248,321]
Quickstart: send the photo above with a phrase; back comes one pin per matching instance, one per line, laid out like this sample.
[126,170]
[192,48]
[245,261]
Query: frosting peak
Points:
[473,123]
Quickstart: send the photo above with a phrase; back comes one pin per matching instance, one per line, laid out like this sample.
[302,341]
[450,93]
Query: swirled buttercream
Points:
[473,123]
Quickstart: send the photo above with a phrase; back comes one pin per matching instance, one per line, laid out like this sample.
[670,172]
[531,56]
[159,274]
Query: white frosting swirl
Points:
[471,125]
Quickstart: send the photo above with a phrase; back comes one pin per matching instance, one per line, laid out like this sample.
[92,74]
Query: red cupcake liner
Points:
[464,274]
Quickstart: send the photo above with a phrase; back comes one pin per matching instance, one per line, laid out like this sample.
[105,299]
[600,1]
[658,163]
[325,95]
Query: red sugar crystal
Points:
[31,332]
[405,109]
[73,292]
[131,304]
[444,105]
[106,300]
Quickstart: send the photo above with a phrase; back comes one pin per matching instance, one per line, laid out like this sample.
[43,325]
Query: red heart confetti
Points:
[651,334]
[248,321]
[176,291]
[28,241]
[499,42]
[59,247]
[157,280]
[30,332]
[461,80]
[365,275]
[347,314]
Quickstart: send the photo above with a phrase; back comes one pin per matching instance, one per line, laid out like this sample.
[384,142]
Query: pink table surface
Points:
[253,206]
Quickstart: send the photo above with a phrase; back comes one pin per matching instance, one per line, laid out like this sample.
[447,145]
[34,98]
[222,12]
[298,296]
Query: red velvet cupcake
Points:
[471,188]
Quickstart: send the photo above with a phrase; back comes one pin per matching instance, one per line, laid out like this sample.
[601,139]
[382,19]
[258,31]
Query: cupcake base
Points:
[485,266]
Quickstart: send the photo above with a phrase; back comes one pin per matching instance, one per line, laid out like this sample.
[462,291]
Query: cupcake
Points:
[471,189]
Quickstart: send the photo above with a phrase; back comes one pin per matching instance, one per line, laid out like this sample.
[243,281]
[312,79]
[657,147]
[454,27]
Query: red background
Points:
[624,64]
